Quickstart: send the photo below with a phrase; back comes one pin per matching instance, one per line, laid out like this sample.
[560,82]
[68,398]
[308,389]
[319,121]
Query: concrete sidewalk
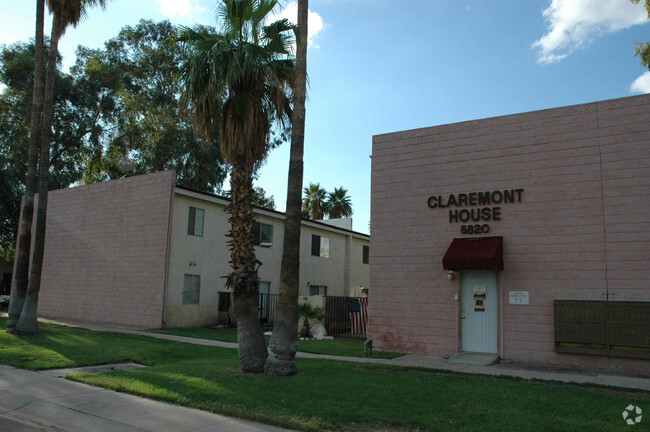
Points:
[37,401]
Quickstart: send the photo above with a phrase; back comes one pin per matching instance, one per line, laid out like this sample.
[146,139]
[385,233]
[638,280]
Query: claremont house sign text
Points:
[474,208]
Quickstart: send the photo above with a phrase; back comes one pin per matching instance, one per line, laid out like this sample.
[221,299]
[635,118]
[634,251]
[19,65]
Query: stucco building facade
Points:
[525,236]
[145,252]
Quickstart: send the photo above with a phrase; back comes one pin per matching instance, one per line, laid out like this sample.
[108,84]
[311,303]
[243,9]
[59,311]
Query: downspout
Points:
[168,249]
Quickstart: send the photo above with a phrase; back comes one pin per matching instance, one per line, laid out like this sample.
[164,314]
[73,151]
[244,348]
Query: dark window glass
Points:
[195,222]
[315,245]
[263,234]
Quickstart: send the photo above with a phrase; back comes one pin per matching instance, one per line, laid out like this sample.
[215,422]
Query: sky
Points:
[380,66]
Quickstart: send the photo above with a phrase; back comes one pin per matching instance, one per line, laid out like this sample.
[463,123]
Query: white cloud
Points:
[573,24]
[178,8]
[641,84]
[314,20]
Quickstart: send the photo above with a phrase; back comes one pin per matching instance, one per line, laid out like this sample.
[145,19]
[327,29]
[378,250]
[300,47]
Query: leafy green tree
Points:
[124,99]
[339,203]
[260,199]
[11,189]
[284,341]
[71,118]
[315,201]
[237,82]
[307,312]
[145,126]
[14,141]
[642,50]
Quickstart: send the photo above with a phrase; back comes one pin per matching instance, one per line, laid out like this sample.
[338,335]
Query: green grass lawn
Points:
[326,394]
[338,347]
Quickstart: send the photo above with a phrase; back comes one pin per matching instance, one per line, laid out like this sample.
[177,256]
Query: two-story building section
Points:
[145,252]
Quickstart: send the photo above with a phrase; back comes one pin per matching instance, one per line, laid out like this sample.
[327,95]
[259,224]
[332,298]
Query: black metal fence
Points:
[344,316]
[267,304]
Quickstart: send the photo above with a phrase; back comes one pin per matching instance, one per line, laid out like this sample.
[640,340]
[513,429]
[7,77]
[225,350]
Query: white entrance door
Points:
[479,311]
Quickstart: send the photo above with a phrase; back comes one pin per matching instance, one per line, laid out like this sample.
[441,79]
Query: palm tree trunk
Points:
[21,275]
[27,323]
[252,346]
[284,341]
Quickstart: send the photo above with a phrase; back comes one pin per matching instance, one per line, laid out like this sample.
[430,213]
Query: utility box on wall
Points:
[608,328]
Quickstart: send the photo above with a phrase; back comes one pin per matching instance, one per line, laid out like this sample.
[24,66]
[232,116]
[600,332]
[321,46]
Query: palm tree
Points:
[308,312]
[238,83]
[284,341]
[339,203]
[21,275]
[64,13]
[315,201]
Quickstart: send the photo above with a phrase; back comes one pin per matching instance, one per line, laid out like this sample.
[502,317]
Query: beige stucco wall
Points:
[206,256]
[580,230]
[358,271]
[106,251]
[209,258]
[316,270]
[342,271]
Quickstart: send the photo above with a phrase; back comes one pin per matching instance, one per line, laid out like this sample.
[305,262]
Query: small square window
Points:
[263,234]
[195,222]
[191,289]
[320,246]
[366,254]
[317,290]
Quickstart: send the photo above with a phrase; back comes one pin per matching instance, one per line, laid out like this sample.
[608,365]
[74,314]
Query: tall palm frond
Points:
[238,82]
[339,203]
[71,12]
[315,201]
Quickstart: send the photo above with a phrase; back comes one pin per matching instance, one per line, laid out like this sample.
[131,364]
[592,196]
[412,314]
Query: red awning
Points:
[480,253]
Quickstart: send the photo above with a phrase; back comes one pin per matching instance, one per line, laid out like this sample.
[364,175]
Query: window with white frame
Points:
[191,289]
[366,254]
[317,290]
[320,246]
[195,222]
[263,234]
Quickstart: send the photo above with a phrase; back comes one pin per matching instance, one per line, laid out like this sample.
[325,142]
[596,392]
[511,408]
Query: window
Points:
[317,290]
[320,246]
[195,222]
[366,254]
[263,234]
[191,289]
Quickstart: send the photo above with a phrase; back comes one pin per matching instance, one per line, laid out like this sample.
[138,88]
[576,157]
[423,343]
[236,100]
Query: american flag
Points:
[358,312]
